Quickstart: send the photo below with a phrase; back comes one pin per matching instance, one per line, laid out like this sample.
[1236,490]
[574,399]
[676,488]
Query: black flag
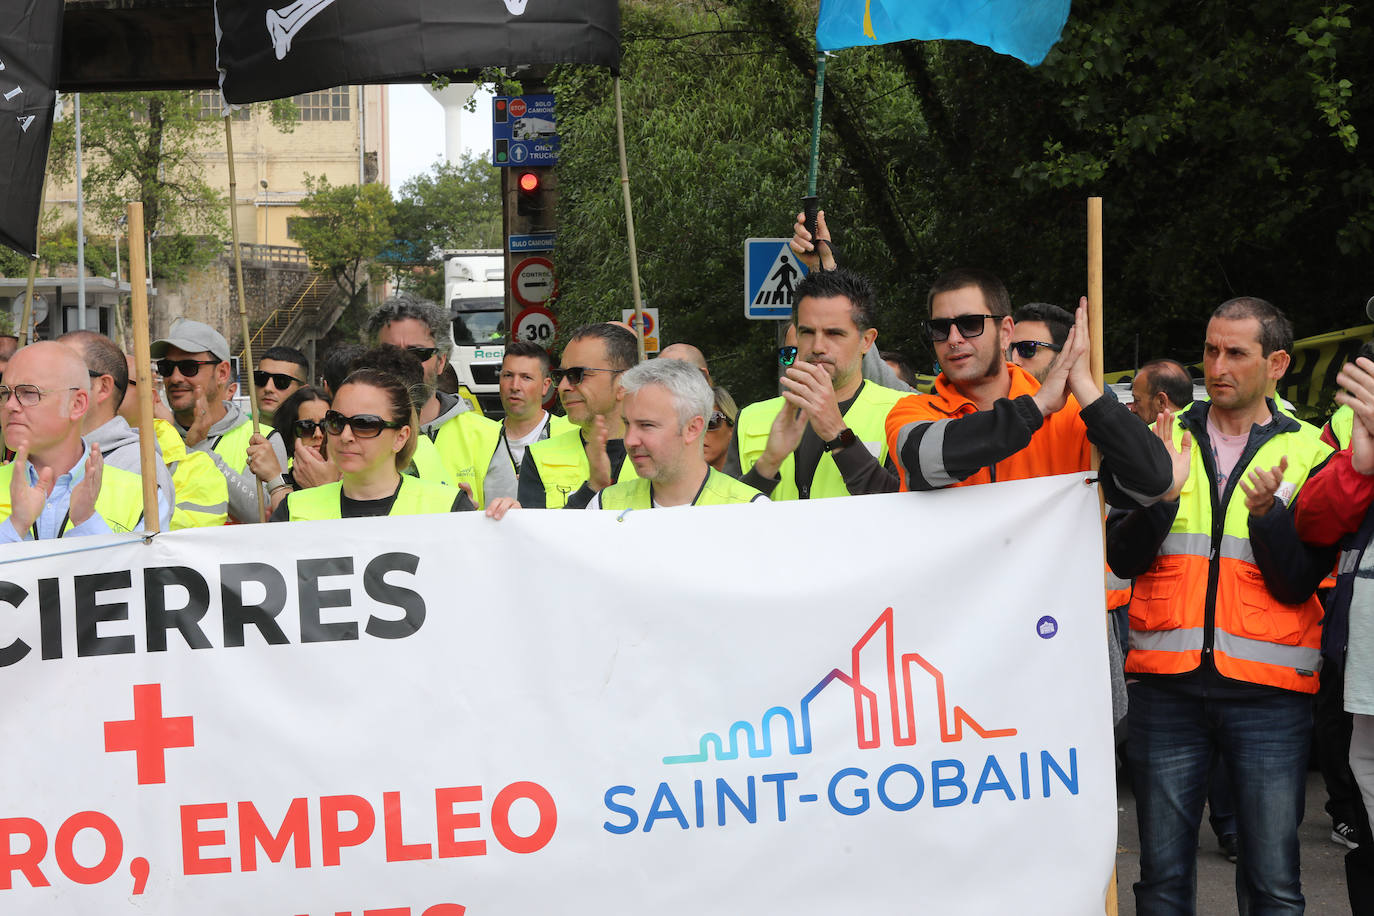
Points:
[271,49]
[29,41]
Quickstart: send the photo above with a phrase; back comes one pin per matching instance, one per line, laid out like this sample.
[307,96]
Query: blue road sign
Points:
[771,273]
[539,241]
[523,130]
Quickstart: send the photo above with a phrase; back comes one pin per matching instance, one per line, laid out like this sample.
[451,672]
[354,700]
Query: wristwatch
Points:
[275,484]
[845,439]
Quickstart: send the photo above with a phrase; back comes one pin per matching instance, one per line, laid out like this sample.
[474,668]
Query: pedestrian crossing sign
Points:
[771,273]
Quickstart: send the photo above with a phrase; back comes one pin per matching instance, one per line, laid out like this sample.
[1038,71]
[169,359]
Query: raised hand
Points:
[200,422]
[82,504]
[26,500]
[1180,456]
[598,461]
[804,247]
[1259,494]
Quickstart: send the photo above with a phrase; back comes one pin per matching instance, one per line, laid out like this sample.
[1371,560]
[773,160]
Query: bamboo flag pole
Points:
[1095,331]
[638,321]
[25,331]
[243,304]
[147,435]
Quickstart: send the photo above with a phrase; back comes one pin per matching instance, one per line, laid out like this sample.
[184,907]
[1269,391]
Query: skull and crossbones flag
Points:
[271,49]
[29,49]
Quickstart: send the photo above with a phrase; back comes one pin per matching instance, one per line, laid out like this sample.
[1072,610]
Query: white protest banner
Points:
[873,705]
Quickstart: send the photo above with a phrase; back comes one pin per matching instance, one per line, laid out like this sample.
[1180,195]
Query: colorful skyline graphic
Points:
[758,742]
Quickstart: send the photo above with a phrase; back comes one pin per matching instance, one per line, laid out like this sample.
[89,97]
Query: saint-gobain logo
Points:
[1046,627]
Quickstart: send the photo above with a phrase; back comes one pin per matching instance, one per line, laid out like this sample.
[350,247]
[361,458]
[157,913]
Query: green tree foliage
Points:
[1223,138]
[346,228]
[452,206]
[146,146]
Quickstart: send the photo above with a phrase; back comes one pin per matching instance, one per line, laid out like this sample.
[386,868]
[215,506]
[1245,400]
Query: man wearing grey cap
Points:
[193,360]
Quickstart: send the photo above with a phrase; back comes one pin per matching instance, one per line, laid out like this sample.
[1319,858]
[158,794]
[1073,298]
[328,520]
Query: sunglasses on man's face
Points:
[968,325]
[364,425]
[1026,349]
[306,428]
[575,374]
[280,380]
[422,353]
[717,419]
[787,356]
[189,368]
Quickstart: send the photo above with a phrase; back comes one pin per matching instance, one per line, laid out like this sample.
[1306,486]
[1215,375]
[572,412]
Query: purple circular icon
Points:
[1046,627]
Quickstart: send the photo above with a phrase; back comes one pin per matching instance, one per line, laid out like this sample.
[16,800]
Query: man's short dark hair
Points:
[335,365]
[826,284]
[399,362]
[407,305]
[1170,377]
[622,347]
[906,367]
[1058,320]
[533,351]
[994,292]
[289,355]
[1276,331]
[103,356]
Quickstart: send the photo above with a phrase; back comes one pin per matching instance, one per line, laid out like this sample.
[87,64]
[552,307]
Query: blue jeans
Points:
[1263,742]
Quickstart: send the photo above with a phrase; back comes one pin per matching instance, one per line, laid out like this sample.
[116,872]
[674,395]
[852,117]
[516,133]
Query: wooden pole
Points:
[147,435]
[638,321]
[243,305]
[26,322]
[1095,330]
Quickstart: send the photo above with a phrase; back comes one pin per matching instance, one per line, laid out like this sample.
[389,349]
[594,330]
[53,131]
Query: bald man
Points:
[689,355]
[57,486]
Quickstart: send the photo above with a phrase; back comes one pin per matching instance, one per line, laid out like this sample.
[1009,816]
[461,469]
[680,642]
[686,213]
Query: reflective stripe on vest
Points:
[233,445]
[717,490]
[867,417]
[563,468]
[416,497]
[465,444]
[119,502]
[1253,636]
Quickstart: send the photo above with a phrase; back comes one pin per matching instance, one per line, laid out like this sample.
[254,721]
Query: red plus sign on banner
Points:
[149,735]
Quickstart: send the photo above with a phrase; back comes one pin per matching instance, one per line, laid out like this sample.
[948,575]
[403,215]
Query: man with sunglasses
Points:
[279,372]
[568,469]
[823,436]
[104,427]
[1037,336]
[988,420]
[193,360]
[468,442]
[57,486]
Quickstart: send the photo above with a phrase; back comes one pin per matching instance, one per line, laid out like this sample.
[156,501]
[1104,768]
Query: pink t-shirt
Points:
[1225,452]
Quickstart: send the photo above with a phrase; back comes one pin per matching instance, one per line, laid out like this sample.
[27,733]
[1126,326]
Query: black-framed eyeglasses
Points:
[280,380]
[189,368]
[968,325]
[717,419]
[787,356]
[304,428]
[364,425]
[575,374]
[28,395]
[1026,349]
[422,353]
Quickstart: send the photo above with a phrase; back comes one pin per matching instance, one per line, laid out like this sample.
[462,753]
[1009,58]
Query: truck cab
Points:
[475,293]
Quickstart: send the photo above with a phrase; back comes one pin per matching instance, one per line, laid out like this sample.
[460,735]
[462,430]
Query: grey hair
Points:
[407,305]
[692,396]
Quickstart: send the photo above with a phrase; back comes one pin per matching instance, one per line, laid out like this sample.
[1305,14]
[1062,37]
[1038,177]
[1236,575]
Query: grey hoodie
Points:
[243,500]
[118,443]
[499,479]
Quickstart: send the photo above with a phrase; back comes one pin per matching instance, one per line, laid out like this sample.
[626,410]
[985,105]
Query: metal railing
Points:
[280,318]
[273,254]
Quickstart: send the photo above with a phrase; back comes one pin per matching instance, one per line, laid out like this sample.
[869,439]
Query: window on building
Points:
[208,102]
[330,105]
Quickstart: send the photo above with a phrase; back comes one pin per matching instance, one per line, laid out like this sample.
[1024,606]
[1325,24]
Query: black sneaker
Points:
[1345,835]
[1230,846]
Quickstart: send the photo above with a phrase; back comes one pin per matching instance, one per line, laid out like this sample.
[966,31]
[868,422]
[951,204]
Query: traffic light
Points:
[530,199]
[536,195]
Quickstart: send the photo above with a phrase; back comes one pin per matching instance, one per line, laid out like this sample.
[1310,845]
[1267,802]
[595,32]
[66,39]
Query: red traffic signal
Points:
[529,182]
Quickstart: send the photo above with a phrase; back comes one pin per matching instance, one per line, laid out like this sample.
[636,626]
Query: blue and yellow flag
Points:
[1025,29]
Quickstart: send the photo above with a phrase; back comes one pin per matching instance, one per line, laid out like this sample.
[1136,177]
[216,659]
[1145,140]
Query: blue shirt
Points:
[50,520]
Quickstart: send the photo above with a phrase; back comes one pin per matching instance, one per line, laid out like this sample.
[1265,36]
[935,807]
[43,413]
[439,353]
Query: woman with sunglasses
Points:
[371,431]
[720,429]
[299,419]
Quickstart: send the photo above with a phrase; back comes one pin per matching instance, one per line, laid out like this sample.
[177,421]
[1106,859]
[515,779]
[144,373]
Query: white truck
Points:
[475,293]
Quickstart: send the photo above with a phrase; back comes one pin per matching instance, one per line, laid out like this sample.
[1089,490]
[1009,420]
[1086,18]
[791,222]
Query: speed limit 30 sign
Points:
[537,326]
